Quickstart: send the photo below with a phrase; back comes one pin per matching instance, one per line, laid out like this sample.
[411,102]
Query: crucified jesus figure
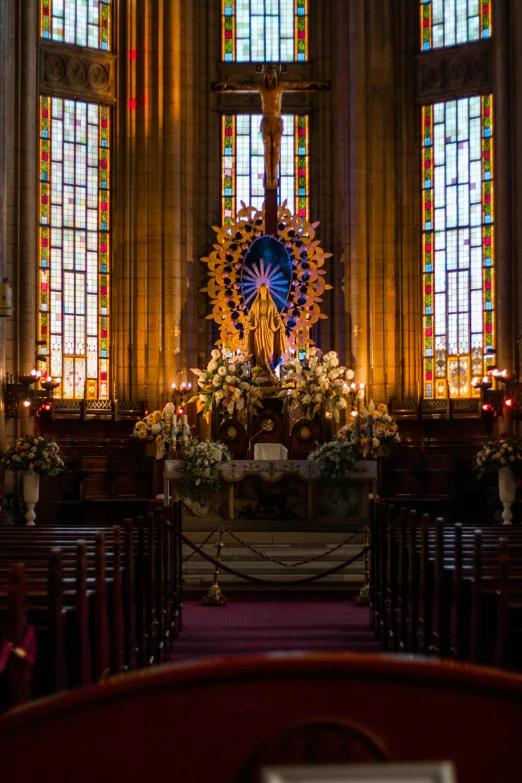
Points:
[271,91]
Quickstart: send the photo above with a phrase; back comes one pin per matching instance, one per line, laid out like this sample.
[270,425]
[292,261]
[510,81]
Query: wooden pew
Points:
[286,709]
[88,604]
[425,579]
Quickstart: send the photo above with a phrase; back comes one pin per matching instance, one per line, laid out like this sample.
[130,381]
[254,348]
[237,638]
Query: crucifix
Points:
[271,91]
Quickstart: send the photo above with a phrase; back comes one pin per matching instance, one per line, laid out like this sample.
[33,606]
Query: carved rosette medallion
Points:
[76,73]
[98,76]
[444,74]
[54,68]
[304,433]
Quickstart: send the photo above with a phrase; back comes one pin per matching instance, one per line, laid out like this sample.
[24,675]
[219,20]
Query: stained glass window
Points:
[74,245]
[265,30]
[243,164]
[452,22]
[81,22]
[458,243]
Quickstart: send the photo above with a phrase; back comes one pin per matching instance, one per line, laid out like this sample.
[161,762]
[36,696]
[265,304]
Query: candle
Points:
[174,424]
[184,429]
[369,429]
[357,428]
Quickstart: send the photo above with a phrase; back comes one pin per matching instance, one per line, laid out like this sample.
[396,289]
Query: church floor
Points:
[244,627]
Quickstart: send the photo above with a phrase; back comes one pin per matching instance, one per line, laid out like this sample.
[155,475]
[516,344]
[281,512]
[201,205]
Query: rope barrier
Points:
[258,580]
[207,539]
[282,562]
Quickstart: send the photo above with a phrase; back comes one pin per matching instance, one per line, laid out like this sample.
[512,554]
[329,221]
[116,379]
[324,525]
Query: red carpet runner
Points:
[245,627]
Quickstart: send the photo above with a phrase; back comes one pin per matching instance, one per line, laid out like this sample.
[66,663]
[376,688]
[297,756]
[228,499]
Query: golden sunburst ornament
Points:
[290,264]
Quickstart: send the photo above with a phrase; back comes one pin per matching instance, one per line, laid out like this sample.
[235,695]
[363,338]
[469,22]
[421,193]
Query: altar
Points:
[275,428]
[248,482]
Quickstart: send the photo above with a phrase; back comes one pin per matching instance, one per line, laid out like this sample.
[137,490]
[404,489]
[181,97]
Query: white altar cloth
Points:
[272,451]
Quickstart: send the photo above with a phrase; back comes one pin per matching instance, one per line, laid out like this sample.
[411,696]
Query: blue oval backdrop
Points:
[266,261]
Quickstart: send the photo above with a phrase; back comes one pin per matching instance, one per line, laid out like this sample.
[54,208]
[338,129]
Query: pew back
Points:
[222,719]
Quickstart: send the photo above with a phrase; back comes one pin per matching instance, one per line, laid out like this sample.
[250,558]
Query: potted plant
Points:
[502,455]
[34,455]
[200,473]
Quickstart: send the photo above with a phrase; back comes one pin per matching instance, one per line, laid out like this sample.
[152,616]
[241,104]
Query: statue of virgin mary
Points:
[265,333]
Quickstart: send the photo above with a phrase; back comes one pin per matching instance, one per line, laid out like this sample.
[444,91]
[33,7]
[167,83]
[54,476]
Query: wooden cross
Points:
[271,91]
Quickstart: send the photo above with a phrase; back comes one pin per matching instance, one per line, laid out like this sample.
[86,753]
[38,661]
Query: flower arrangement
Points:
[335,459]
[374,432]
[317,380]
[200,471]
[154,427]
[498,453]
[229,380]
[36,452]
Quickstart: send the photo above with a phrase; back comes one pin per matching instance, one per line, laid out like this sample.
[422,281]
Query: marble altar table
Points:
[362,480]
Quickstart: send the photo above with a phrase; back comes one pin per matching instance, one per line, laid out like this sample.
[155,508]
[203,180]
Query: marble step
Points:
[199,573]
[255,537]
[325,524]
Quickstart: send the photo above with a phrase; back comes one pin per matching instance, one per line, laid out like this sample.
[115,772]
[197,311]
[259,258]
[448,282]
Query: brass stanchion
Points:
[214,596]
[363,597]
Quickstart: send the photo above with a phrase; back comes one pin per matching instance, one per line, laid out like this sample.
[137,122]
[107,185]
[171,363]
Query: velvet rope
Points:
[299,562]
[197,550]
[257,580]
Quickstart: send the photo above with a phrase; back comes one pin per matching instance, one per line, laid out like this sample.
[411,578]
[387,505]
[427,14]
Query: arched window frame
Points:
[73,331]
[450,294]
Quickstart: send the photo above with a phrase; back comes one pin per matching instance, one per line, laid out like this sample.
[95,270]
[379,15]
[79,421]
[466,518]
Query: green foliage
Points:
[200,472]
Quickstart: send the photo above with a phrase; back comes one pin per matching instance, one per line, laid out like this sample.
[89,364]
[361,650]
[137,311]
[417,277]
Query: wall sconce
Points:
[506,376]
[42,399]
[50,384]
[17,392]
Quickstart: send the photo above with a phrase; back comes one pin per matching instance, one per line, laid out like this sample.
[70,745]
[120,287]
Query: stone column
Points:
[19,182]
[323,181]
[5,154]
[162,217]
[503,176]
[513,39]
[374,140]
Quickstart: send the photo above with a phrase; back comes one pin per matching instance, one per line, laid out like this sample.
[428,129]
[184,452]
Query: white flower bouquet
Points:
[37,452]
[200,471]
[498,453]
[230,381]
[335,459]
[374,433]
[315,381]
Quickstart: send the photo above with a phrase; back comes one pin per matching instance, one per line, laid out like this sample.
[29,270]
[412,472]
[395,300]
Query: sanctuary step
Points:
[283,541]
